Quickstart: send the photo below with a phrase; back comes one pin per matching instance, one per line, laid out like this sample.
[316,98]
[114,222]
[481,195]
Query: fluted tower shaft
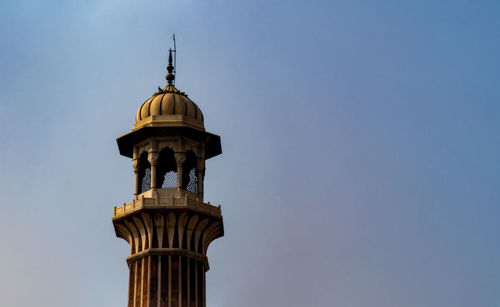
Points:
[168,242]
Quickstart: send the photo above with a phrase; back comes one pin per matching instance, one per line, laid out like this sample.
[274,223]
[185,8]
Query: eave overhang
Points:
[127,141]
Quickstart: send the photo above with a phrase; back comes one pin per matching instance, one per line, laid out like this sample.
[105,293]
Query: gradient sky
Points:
[361,147]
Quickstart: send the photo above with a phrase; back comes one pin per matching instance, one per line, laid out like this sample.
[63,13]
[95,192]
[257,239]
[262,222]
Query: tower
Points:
[167,224]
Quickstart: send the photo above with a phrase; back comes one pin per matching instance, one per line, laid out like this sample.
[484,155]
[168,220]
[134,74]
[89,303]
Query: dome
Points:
[169,107]
[169,112]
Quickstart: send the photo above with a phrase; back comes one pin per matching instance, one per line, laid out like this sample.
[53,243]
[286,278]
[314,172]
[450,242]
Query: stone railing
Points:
[167,200]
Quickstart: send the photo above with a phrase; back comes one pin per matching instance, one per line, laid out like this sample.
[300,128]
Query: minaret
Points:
[167,224]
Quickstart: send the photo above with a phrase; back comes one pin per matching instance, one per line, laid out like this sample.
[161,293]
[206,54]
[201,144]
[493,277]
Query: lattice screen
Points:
[169,180]
[192,185]
[146,180]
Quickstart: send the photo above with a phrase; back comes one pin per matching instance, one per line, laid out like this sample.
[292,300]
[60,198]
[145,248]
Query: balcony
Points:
[166,199]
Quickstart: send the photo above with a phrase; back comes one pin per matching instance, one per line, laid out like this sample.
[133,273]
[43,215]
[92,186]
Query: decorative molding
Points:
[167,201]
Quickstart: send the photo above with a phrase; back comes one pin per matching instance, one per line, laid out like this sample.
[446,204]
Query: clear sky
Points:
[361,147]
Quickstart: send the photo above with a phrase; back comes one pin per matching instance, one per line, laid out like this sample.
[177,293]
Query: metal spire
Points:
[170,68]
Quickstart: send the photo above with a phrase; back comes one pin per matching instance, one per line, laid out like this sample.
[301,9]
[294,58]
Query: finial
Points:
[170,68]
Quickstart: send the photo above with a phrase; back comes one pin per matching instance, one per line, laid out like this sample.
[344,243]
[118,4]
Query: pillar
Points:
[180,158]
[135,164]
[200,168]
[153,161]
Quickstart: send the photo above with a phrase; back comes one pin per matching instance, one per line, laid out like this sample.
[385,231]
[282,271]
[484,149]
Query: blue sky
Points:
[361,147]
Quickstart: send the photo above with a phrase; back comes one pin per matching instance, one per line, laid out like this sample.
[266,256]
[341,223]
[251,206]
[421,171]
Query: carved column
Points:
[135,164]
[200,168]
[180,158]
[153,161]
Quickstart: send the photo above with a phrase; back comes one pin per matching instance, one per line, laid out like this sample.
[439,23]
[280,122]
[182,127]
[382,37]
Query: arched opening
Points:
[190,173]
[144,173]
[166,170]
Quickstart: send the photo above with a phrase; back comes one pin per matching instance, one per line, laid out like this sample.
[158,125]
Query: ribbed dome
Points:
[169,113]
[170,101]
